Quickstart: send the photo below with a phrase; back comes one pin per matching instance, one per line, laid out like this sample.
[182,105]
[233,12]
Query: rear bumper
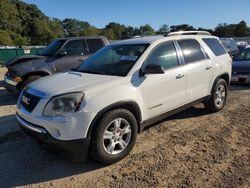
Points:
[240,78]
[74,149]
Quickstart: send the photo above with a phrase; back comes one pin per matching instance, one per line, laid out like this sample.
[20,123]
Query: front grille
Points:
[29,101]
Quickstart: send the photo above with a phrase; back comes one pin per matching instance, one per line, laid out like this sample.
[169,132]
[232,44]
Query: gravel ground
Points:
[190,149]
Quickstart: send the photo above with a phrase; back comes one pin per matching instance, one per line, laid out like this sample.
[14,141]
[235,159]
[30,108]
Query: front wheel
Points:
[114,136]
[218,96]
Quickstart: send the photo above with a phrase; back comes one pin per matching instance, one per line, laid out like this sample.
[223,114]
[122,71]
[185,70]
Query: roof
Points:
[139,40]
[170,36]
[82,37]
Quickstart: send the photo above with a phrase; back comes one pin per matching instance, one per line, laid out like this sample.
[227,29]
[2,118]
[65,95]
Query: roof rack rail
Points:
[189,33]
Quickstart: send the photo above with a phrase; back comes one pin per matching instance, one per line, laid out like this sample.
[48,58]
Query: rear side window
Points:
[94,45]
[191,50]
[215,46]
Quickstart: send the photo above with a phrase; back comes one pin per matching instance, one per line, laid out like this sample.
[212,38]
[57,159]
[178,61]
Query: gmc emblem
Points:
[25,100]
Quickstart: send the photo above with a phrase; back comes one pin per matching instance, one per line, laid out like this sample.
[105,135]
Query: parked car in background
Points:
[230,45]
[127,85]
[241,67]
[60,55]
[242,45]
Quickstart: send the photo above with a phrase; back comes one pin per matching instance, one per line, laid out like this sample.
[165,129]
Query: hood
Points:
[24,58]
[67,82]
[241,66]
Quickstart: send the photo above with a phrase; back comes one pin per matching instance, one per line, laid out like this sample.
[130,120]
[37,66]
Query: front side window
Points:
[164,55]
[191,50]
[113,59]
[53,47]
[74,48]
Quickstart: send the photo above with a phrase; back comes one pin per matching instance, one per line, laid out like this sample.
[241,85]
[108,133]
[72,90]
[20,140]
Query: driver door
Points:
[163,92]
[72,54]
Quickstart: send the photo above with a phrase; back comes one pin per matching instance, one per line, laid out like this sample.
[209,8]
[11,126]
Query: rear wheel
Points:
[29,80]
[218,96]
[114,136]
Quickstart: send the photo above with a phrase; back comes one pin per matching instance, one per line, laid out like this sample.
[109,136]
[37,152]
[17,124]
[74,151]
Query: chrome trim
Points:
[29,126]
[9,81]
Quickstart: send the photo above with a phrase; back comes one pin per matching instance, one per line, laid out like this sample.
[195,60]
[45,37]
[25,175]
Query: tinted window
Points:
[94,45]
[191,50]
[53,47]
[74,47]
[215,46]
[164,55]
[243,55]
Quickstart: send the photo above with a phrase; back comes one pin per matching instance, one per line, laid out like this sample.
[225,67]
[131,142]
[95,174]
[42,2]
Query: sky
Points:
[198,13]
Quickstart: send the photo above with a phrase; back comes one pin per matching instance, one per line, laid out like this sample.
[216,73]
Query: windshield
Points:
[243,55]
[53,47]
[113,60]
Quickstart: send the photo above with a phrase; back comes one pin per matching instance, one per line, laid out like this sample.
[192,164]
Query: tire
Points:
[218,97]
[29,80]
[108,149]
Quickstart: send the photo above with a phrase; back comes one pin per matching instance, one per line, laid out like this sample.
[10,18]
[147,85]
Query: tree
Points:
[5,38]
[164,29]
[241,29]
[147,30]
[182,27]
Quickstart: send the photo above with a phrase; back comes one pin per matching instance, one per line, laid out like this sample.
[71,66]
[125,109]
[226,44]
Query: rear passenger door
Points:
[199,69]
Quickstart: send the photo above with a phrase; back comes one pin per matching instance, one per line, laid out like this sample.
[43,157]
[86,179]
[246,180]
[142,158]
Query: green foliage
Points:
[5,38]
[147,30]
[232,30]
[25,24]
[164,29]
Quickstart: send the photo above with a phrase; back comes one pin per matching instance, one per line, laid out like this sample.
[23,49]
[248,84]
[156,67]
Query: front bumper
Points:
[74,149]
[240,78]
[10,84]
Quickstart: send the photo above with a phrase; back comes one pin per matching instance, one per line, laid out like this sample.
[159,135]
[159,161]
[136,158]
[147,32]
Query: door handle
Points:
[208,67]
[179,76]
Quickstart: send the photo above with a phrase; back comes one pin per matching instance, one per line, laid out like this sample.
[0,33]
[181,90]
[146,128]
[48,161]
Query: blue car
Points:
[241,67]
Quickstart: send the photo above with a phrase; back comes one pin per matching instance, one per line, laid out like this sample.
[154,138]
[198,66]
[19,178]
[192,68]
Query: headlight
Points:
[63,104]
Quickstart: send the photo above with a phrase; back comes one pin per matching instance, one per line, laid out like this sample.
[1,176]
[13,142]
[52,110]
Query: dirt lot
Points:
[190,149]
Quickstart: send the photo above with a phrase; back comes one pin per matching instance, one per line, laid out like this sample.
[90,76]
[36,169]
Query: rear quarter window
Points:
[94,45]
[215,46]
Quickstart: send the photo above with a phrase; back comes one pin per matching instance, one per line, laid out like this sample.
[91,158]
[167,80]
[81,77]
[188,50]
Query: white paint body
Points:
[149,91]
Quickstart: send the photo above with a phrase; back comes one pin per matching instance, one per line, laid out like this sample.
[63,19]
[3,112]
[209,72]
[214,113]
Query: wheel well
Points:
[40,73]
[225,77]
[130,106]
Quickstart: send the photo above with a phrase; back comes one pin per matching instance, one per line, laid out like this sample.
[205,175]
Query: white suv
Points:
[125,86]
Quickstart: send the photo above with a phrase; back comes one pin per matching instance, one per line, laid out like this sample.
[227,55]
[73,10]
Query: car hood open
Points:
[22,59]
[67,82]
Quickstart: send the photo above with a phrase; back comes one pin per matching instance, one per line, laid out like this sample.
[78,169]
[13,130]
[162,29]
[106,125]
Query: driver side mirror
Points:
[62,53]
[152,69]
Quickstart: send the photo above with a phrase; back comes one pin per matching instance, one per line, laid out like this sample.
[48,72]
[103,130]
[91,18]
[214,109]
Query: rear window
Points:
[215,46]
[191,50]
[94,45]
